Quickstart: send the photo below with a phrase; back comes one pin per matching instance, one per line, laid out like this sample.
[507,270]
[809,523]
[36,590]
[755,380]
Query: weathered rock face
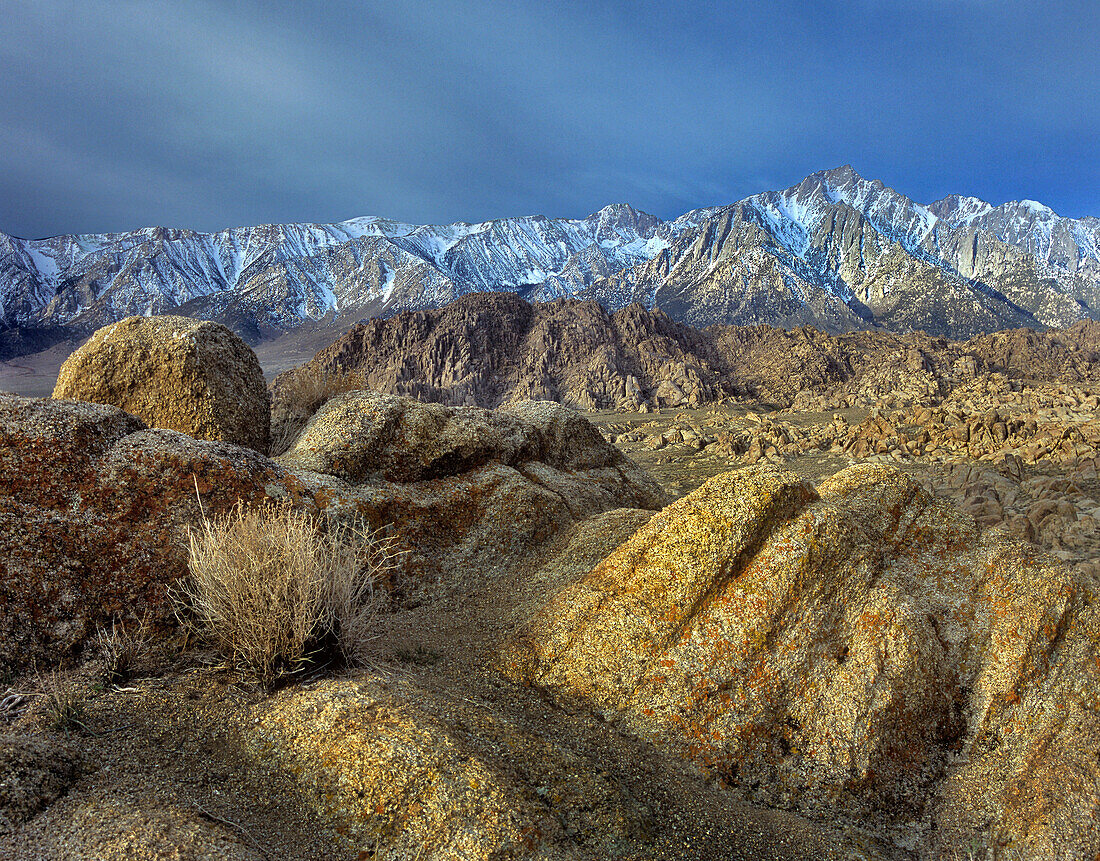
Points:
[94,506]
[489,349]
[464,487]
[385,772]
[93,510]
[187,375]
[856,649]
[362,435]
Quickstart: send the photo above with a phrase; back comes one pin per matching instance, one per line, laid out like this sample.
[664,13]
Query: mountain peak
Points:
[617,209]
[957,209]
[1033,206]
[623,218]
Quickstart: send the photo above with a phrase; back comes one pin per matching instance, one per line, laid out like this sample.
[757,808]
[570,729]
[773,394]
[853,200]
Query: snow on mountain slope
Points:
[840,251]
[287,273]
[1065,245]
[836,250]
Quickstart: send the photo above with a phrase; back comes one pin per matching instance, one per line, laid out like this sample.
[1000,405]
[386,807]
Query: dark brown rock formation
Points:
[491,348]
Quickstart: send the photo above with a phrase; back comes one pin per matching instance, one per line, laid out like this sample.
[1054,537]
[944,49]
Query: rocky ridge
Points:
[840,252]
[264,279]
[836,251]
[488,349]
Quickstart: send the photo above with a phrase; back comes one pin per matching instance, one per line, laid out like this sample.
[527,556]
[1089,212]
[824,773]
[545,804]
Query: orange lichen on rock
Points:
[93,515]
[859,649]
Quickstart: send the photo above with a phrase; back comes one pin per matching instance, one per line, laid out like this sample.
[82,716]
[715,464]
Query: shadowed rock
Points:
[36,770]
[487,349]
[466,488]
[93,515]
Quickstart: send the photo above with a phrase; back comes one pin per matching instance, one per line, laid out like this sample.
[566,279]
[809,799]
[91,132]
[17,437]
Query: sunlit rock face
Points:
[858,648]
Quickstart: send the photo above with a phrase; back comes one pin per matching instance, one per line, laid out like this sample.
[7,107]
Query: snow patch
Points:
[46,265]
[389,277]
[1038,208]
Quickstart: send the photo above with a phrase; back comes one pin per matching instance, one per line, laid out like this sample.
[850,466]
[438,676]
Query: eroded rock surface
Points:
[94,507]
[93,514]
[192,376]
[365,752]
[486,349]
[464,488]
[855,649]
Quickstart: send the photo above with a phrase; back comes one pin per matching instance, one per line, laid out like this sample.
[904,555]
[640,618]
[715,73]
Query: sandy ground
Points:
[34,376]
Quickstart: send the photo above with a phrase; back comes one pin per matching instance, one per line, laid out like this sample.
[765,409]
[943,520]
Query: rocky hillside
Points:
[558,663]
[841,252]
[489,349]
[836,251]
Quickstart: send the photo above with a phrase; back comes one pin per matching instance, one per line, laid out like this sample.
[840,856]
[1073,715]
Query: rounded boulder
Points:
[191,376]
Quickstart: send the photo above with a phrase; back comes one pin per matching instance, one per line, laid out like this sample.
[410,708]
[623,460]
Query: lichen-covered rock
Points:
[117,826]
[94,506]
[465,488]
[858,649]
[93,516]
[192,376]
[387,775]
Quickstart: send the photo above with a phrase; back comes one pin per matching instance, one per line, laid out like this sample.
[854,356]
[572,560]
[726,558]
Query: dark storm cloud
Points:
[199,114]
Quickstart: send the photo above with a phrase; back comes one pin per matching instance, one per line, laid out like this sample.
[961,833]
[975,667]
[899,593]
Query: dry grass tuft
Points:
[121,648]
[63,700]
[268,584]
[300,393]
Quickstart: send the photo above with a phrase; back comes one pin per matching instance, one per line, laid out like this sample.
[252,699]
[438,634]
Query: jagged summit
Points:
[958,209]
[836,250]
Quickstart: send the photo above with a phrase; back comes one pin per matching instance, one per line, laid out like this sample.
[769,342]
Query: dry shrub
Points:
[300,393]
[269,584]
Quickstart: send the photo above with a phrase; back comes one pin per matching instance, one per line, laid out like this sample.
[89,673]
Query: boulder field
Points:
[95,506]
[568,667]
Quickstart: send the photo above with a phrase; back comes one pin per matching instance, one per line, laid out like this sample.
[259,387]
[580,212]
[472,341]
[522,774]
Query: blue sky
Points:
[117,115]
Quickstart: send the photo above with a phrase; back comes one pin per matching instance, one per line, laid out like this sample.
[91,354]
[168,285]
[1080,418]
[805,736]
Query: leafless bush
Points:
[300,393]
[269,583]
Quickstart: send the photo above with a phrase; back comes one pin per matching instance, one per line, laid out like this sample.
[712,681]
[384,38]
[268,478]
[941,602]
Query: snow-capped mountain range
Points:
[836,251]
